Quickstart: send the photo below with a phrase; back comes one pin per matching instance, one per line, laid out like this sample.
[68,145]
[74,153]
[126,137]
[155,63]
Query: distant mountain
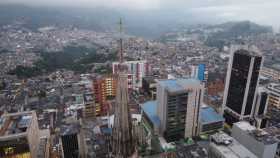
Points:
[234,31]
[150,24]
[242,28]
[35,17]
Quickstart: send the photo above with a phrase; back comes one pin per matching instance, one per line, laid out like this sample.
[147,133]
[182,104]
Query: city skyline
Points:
[75,83]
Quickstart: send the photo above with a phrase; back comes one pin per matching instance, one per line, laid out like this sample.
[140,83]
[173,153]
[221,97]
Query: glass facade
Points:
[238,81]
[70,146]
[245,69]
[263,102]
[253,85]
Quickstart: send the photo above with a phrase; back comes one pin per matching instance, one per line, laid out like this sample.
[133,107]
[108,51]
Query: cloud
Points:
[262,11]
[127,4]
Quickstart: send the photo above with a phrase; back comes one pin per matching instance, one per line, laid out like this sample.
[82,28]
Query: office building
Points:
[260,142]
[224,146]
[136,71]
[19,135]
[179,102]
[274,95]
[210,120]
[241,84]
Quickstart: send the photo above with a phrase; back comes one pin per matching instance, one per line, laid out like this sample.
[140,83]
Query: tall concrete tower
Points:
[122,144]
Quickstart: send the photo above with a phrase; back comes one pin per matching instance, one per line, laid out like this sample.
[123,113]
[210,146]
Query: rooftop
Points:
[274,131]
[209,115]
[70,129]
[275,87]
[251,50]
[191,151]
[150,109]
[229,147]
[15,123]
[258,134]
[245,126]
[178,85]
[247,52]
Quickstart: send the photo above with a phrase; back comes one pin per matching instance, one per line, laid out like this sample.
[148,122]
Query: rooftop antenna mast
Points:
[121,42]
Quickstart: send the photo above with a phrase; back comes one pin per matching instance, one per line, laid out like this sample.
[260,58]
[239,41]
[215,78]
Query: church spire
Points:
[123,145]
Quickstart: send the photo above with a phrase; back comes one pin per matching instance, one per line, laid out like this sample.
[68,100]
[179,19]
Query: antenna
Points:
[121,42]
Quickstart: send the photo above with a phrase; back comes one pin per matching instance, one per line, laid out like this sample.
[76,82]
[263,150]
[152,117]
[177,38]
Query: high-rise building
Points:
[241,84]
[136,71]
[179,102]
[123,144]
[104,89]
[19,135]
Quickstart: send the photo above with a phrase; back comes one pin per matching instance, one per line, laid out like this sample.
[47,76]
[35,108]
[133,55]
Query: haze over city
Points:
[209,10]
[139,79]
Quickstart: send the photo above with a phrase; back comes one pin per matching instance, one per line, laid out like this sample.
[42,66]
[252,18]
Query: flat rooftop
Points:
[150,109]
[261,135]
[209,115]
[275,87]
[69,129]
[247,52]
[15,123]
[245,126]
[178,85]
[229,147]
[191,151]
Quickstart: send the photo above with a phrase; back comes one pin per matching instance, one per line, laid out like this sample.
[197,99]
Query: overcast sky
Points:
[260,11]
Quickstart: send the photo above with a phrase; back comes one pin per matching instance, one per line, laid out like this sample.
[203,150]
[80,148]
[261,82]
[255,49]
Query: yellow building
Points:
[104,89]
[274,95]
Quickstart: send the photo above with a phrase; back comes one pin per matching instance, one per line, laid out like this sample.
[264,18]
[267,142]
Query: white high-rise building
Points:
[179,102]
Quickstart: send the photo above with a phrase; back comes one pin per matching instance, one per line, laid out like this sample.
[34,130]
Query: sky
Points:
[260,11]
